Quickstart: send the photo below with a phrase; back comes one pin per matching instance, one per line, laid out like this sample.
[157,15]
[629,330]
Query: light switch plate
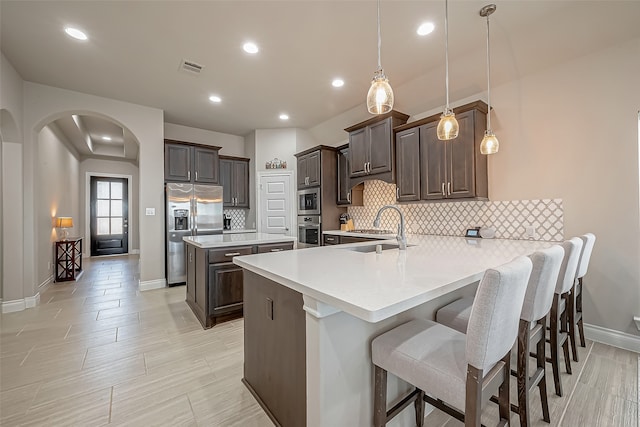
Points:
[150,211]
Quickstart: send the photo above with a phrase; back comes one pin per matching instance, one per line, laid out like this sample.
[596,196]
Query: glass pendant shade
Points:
[380,95]
[489,144]
[448,126]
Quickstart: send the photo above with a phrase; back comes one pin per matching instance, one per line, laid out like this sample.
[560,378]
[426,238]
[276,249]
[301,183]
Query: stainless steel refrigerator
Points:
[192,210]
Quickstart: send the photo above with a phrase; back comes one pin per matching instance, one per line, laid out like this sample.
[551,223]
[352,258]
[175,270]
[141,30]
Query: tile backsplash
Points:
[237,217]
[508,218]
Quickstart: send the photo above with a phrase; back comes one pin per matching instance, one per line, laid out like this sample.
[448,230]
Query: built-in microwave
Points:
[309,201]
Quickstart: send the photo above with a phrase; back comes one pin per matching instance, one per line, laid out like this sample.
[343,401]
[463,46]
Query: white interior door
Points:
[275,204]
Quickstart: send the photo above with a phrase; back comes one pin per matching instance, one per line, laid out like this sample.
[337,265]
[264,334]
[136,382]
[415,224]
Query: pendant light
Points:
[489,144]
[448,125]
[380,95]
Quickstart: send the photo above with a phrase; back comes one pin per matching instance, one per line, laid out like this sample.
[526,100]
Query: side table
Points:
[68,259]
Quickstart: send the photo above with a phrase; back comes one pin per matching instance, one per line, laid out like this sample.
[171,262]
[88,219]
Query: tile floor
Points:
[98,351]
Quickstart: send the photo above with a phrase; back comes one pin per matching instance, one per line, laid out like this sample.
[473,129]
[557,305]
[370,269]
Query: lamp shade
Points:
[64,222]
[447,126]
[489,144]
[380,95]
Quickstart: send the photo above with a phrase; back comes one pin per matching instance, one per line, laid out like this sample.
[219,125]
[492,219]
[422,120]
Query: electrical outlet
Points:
[530,231]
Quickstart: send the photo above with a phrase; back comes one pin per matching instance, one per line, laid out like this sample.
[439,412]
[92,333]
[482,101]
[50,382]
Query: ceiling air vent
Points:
[190,67]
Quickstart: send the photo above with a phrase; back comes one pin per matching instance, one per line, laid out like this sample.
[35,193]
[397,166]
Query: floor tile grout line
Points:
[575,386]
[110,404]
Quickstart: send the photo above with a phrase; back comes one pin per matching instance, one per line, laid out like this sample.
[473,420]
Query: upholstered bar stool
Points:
[531,333]
[558,331]
[452,371]
[575,299]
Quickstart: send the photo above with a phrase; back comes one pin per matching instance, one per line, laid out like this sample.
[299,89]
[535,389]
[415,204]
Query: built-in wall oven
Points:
[308,231]
[309,201]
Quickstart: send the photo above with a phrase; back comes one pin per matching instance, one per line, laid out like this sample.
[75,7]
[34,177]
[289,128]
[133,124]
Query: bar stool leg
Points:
[579,309]
[565,340]
[523,372]
[380,397]
[554,333]
[571,314]
[541,364]
[419,404]
[503,394]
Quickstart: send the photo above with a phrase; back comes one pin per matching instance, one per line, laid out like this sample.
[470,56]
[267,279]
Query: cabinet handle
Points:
[329,239]
[448,188]
[349,197]
[190,257]
[443,193]
[196,175]
[369,167]
[232,254]
[277,250]
[365,167]
[397,192]
[188,175]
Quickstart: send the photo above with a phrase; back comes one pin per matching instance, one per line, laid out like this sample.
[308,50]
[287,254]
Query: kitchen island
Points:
[348,295]
[214,283]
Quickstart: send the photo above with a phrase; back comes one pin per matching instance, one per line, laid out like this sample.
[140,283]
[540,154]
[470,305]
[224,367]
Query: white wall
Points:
[306,140]
[57,193]
[42,104]
[107,168]
[232,145]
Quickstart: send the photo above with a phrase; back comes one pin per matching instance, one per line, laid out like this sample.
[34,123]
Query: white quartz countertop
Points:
[374,287]
[239,239]
[239,230]
[367,235]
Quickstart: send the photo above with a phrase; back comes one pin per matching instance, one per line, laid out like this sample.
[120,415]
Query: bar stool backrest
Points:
[542,283]
[495,315]
[589,240]
[572,249]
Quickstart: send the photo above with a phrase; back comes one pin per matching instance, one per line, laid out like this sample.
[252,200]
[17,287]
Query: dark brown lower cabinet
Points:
[275,349]
[215,287]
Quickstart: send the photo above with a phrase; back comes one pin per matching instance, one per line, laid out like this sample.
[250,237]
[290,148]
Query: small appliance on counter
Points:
[346,222]
[227,222]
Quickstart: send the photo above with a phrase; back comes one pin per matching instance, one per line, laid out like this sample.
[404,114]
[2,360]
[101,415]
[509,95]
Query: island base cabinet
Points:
[225,289]
[275,349]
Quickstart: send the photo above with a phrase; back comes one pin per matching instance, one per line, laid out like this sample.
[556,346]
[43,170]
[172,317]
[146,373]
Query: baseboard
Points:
[44,285]
[637,320]
[149,285]
[612,338]
[12,306]
[134,252]
[33,301]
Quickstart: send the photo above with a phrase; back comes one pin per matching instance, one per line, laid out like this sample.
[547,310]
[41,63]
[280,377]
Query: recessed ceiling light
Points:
[75,33]
[106,138]
[426,28]
[250,47]
[337,83]
[215,98]
[284,116]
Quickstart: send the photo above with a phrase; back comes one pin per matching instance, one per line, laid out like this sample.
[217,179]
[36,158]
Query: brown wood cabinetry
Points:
[331,239]
[346,194]
[275,349]
[215,283]
[371,149]
[185,162]
[234,178]
[334,239]
[447,169]
[309,170]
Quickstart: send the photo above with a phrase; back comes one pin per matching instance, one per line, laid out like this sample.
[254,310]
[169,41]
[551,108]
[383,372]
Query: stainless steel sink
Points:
[371,248]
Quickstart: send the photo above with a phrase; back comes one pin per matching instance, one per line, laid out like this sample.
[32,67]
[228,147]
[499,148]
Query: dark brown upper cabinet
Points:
[309,170]
[371,148]
[190,163]
[346,194]
[447,169]
[234,178]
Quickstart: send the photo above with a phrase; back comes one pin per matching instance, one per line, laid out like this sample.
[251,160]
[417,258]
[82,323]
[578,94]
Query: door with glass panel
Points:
[109,216]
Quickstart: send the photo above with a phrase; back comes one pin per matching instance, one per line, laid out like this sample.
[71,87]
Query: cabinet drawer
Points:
[330,239]
[275,247]
[227,254]
[350,239]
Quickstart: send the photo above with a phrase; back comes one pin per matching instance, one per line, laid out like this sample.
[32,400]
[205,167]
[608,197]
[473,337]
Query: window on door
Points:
[109,216]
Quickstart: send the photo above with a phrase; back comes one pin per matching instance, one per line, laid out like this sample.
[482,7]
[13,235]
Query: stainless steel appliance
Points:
[309,201]
[308,231]
[191,210]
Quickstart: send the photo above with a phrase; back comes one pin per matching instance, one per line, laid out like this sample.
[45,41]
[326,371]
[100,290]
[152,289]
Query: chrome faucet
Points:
[401,238]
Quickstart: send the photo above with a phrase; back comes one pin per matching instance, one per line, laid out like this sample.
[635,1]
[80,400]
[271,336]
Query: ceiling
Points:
[135,49]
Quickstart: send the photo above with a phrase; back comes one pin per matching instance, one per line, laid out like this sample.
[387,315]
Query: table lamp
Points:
[64,222]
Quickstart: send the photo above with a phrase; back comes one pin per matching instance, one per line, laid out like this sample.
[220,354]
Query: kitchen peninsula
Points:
[310,316]
[214,283]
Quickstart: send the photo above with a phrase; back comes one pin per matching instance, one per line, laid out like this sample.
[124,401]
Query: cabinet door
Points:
[358,152]
[302,171]
[206,165]
[241,183]
[408,165]
[343,177]
[432,164]
[330,239]
[191,273]
[313,168]
[177,163]
[226,181]
[380,156]
[460,159]
[200,291]
[225,288]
